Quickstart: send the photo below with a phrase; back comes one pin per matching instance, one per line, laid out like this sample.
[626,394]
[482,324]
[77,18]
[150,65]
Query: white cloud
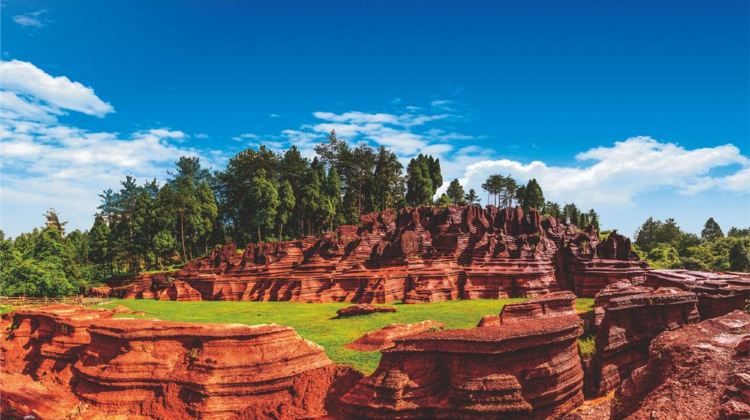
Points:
[24,79]
[33,19]
[620,172]
[46,163]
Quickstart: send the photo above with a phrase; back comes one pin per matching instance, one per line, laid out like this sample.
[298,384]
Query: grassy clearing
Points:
[315,321]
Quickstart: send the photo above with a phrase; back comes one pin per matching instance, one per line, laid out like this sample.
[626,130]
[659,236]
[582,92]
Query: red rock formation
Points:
[179,370]
[614,290]
[384,338]
[627,328]
[552,305]
[24,398]
[694,372]
[718,293]
[362,309]
[416,255]
[526,369]
[179,291]
[45,342]
[593,265]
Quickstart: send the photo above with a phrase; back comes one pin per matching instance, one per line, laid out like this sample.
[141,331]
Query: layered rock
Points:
[697,372]
[363,309]
[718,293]
[384,338]
[552,305]
[415,255]
[614,290]
[179,291]
[627,328]
[178,370]
[593,265]
[45,342]
[525,369]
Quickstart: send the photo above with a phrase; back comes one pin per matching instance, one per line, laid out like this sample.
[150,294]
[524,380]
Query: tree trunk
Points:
[258,233]
[182,236]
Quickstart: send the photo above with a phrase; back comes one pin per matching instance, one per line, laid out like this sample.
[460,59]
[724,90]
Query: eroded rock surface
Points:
[525,369]
[416,255]
[695,372]
[548,306]
[61,361]
[718,293]
[593,265]
[627,328]
[384,338]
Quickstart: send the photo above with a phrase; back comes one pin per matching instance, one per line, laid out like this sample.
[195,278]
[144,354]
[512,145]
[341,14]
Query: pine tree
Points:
[472,197]
[739,258]
[711,230]
[266,203]
[419,185]
[444,200]
[593,219]
[455,192]
[287,203]
[531,196]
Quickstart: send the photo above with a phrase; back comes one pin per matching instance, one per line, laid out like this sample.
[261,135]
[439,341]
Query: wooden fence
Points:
[39,301]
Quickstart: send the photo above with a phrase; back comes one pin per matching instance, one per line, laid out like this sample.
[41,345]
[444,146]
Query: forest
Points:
[262,195]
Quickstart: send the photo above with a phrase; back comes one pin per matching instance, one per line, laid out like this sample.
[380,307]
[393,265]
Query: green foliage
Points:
[665,245]
[455,192]
[444,200]
[266,202]
[472,197]
[711,230]
[503,188]
[531,196]
[419,181]
[587,345]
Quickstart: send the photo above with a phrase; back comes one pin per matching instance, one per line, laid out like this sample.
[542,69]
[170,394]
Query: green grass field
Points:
[315,321]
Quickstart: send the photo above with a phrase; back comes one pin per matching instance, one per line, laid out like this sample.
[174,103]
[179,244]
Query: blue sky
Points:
[637,109]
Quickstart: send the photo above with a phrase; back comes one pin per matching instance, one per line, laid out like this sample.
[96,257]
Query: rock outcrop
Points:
[85,361]
[45,342]
[179,291]
[384,338]
[614,290]
[695,372]
[627,328]
[548,306]
[593,265]
[363,309]
[718,293]
[415,255]
[525,369]
[169,370]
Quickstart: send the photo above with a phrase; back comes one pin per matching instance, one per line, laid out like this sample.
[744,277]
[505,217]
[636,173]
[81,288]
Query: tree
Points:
[711,230]
[734,232]
[739,258]
[571,214]
[444,200]
[388,182]
[552,209]
[455,192]
[418,184]
[593,217]
[502,187]
[530,196]
[53,221]
[266,202]
[287,203]
[472,197]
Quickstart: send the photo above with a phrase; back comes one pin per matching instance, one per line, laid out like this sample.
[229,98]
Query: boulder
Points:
[693,372]
[180,291]
[363,309]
